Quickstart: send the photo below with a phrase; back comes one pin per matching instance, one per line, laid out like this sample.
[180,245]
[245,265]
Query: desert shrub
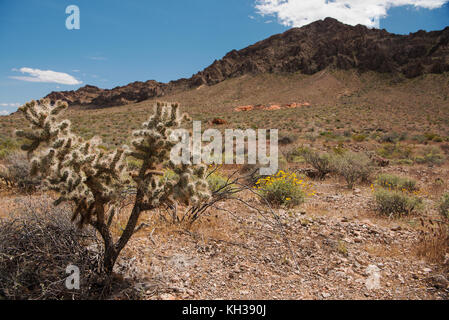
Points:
[322,162]
[8,146]
[293,154]
[393,137]
[284,189]
[419,138]
[445,148]
[329,135]
[430,136]
[395,182]
[353,167]
[395,151]
[133,164]
[37,244]
[395,202]
[430,155]
[359,137]
[288,139]
[339,149]
[444,205]
[250,174]
[19,168]
[94,179]
[216,181]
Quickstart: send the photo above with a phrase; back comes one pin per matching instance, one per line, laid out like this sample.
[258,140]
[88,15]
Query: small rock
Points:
[358,240]
[167,296]
[438,281]
[373,280]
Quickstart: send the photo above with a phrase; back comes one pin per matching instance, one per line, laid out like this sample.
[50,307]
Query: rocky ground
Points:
[333,247]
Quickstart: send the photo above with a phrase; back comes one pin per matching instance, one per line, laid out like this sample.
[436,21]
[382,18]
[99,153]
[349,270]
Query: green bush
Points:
[444,205]
[395,182]
[359,137]
[394,202]
[133,164]
[431,136]
[430,155]
[353,167]
[7,147]
[216,181]
[395,151]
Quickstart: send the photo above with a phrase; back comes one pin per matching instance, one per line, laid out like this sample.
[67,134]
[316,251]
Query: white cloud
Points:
[9,104]
[36,75]
[4,112]
[98,58]
[298,13]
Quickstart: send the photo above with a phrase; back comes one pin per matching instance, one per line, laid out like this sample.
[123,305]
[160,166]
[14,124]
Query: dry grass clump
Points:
[444,205]
[37,243]
[19,171]
[433,243]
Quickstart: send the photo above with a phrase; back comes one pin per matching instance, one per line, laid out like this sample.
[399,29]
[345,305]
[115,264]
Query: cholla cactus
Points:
[93,179]
[152,144]
[70,165]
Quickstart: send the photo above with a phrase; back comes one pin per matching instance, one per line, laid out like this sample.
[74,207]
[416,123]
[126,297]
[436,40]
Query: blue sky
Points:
[125,41]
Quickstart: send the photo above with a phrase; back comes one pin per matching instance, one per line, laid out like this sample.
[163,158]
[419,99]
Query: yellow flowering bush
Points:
[284,189]
[397,183]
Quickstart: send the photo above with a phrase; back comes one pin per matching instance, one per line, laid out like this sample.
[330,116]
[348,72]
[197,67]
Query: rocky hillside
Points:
[309,49]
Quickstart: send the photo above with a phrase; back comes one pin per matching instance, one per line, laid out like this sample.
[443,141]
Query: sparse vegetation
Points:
[394,202]
[37,246]
[19,172]
[7,146]
[395,151]
[353,167]
[390,181]
[229,228]
[444,205]
[216,181]
[430,155]
[322,162]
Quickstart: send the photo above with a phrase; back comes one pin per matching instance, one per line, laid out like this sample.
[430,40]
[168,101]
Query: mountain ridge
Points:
[322,44]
